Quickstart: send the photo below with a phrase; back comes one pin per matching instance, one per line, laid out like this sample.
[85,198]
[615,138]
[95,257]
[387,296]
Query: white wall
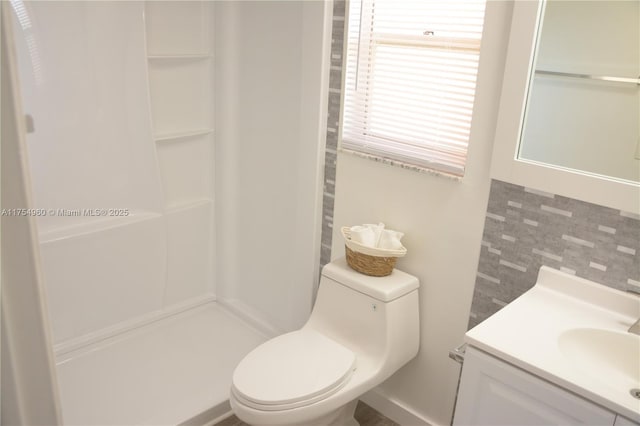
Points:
[443,221]
[269,115]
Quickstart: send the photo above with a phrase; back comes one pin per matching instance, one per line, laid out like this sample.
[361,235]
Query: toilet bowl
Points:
[362,330]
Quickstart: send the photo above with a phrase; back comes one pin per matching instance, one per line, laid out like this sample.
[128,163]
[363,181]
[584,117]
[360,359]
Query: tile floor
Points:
[366,415]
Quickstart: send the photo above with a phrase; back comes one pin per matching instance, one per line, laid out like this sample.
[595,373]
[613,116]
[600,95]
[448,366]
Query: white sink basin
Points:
[571,332]
[609,356]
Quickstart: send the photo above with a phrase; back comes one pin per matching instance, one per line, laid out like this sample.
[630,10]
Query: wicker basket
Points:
[368,260]
[370,265]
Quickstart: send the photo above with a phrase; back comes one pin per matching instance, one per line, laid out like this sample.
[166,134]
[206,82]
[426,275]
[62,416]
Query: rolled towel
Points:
[390,240]
[364,235]
[377,231]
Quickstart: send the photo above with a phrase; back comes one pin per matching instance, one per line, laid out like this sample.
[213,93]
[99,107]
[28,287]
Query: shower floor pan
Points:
[174,371]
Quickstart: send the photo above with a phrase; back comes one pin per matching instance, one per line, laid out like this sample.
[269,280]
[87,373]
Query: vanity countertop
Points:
[571,332]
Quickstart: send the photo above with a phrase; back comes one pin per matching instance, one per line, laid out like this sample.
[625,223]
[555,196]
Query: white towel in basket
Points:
[376,236]
[390,240]
[363,235]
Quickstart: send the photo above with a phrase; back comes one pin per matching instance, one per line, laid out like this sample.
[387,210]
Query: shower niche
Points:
[179,63]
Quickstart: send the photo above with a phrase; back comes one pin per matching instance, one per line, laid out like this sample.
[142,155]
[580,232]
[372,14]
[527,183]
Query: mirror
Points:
[582,109]
[555,110]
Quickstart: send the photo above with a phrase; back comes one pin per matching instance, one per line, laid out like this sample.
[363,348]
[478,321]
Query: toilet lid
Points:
[294,367]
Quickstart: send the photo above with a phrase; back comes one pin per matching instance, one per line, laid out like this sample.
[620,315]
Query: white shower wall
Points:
[121,158]
[271,101]
[212,214]
[127,100]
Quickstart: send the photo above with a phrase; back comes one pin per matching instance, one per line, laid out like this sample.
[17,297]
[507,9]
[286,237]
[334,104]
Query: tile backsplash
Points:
[525,229]
[333,123]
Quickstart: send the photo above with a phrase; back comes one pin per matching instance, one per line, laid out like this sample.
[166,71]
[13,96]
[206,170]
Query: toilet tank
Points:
[376,317]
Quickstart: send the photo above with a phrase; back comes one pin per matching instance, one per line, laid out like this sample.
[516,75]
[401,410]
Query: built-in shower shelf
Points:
[179,57]
[102,221]
[181,135]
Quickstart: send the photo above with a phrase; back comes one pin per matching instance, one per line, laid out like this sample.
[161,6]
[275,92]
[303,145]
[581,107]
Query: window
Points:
[410,80]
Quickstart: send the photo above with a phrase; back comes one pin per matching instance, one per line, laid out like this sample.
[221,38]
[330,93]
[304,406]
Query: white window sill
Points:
[402,165]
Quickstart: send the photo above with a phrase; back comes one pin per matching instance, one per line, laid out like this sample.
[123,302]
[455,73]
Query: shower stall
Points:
[175,154]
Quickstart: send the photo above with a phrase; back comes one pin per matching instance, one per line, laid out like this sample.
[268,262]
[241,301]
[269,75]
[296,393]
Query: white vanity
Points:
[560,354]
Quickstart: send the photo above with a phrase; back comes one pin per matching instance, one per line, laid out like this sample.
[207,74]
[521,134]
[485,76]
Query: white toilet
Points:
[361,331]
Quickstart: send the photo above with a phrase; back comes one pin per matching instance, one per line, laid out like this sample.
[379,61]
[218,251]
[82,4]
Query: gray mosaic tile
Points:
[333,129]
[336,60]
[525,229]
[332,140]
[337,35]
[484,304]
[335,79]
[326,233]
[339,7]
[325,253]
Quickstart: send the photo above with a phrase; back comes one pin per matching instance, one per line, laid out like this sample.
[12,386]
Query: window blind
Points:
[410,80]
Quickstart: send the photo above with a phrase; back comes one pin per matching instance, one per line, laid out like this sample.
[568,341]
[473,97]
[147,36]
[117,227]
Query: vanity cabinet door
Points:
[493,392]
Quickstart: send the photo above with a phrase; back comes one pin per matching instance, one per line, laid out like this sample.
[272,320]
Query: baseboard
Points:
[88,339]
[250,316]
[210,417]
[394,409]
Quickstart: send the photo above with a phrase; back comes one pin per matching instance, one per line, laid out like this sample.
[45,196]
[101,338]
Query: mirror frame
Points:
[506,166]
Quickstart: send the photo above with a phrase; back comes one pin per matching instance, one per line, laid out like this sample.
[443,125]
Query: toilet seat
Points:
[292,370]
